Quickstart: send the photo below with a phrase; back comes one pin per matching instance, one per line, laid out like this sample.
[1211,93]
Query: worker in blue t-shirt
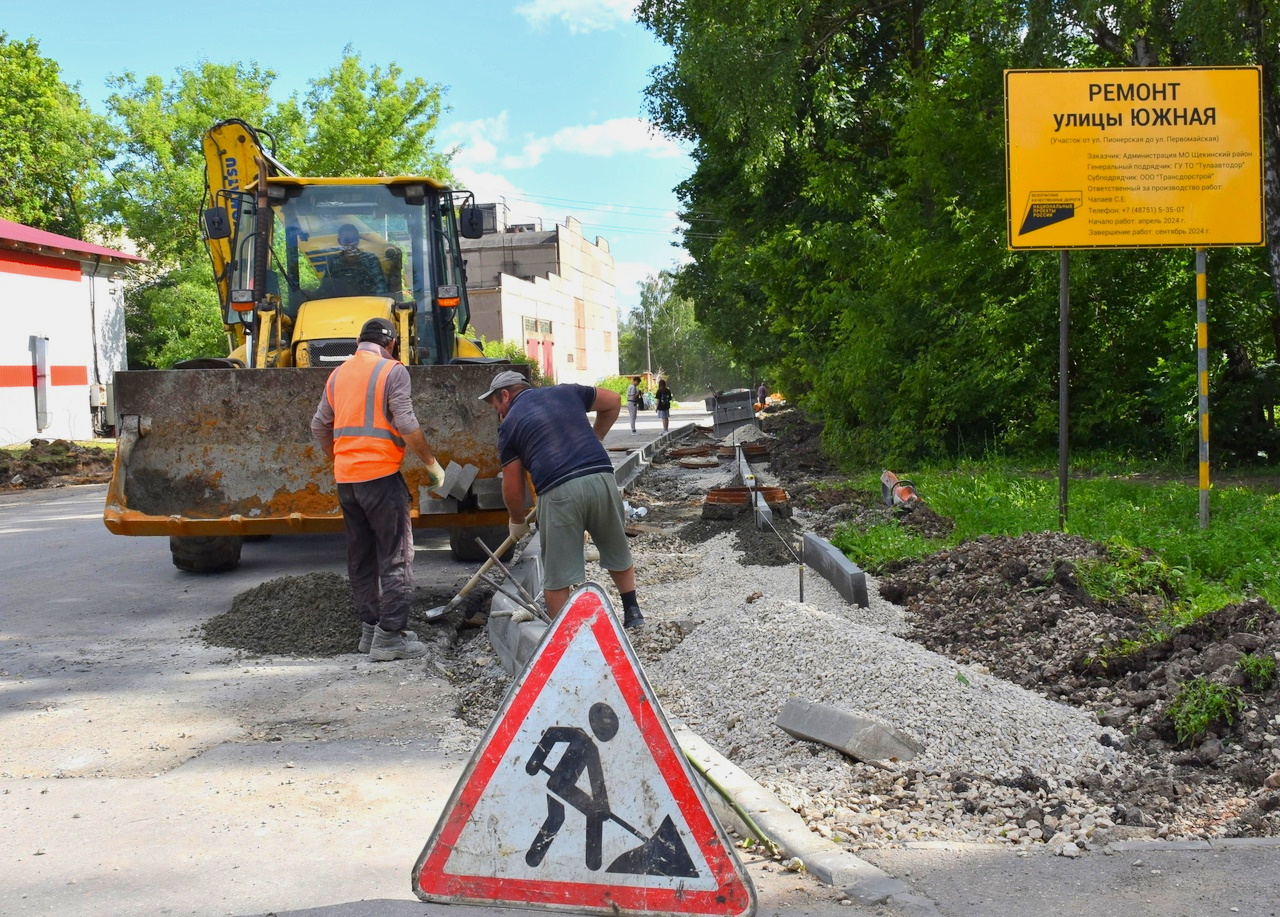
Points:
[545,432]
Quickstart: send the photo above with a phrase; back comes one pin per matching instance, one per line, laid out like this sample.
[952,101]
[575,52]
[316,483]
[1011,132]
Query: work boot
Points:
[367,632]
[395,644]
[631,616]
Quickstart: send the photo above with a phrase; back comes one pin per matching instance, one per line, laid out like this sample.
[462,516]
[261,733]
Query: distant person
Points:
[352,271]
[664,404]
[545,432]
[633,400]
[364,423]
[762,394]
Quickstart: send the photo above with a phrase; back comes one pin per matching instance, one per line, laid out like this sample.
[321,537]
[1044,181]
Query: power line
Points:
[607,207]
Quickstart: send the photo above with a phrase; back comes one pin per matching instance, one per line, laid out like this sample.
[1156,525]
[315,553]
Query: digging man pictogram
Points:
[663,854]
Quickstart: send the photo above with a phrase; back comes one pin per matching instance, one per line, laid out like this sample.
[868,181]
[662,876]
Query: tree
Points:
[662,334]
[157,182]
[370,122]
[351,121]
[846,219]
[172,316]
[51,146]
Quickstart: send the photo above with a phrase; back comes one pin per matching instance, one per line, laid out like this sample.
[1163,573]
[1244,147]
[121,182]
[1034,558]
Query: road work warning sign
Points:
[1134,158]
[578,797]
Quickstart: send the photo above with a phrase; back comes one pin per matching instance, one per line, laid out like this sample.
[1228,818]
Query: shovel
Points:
[434,614]
[663,854]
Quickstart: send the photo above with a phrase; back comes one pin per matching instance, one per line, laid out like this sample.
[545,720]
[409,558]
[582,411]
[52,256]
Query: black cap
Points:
[379,331]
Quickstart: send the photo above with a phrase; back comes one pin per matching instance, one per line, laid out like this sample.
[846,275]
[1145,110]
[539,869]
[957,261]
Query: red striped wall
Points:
[12,262]
[25,376]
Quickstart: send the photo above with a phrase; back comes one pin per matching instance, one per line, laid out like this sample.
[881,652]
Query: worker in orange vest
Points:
[364,423]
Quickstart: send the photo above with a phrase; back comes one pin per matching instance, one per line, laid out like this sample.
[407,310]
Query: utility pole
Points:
[648,353]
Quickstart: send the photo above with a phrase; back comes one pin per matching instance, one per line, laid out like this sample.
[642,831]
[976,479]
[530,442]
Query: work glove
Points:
[437,475]
[518,529]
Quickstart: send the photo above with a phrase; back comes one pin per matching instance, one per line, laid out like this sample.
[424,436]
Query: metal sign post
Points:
[1149,157]
[1202,377]
[1064,350]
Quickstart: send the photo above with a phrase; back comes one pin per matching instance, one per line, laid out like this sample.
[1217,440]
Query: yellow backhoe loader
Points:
[219,449]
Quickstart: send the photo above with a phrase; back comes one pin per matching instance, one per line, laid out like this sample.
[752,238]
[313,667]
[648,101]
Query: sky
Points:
[545,96]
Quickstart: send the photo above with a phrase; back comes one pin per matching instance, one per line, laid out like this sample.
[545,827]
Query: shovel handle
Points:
[484,568]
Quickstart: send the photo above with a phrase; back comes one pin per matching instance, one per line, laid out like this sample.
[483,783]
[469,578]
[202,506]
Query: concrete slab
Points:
[857,735]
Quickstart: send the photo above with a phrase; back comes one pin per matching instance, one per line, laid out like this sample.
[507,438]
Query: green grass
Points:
[1200,570]
[1260,670]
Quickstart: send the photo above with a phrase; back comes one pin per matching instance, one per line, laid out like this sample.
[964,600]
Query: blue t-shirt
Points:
[547,429]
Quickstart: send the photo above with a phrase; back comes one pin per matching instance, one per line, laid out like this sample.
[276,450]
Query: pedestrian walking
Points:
[633,400]
[663,403]
[364,423]
[545,432]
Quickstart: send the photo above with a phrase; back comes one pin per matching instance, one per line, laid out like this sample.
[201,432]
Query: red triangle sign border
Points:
[733,897]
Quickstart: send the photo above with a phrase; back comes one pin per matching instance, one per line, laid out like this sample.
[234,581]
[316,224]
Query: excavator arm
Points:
[236,162]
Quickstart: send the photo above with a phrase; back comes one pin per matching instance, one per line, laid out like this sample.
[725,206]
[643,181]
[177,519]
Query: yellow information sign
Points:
[1134,157]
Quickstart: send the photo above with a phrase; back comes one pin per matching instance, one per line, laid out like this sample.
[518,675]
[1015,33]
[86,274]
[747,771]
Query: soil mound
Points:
[1015,606]
[51,463]
[311,615]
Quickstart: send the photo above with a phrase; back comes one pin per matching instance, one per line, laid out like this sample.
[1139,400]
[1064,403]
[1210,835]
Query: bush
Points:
[1260,670]
[513,352]
[1200,704]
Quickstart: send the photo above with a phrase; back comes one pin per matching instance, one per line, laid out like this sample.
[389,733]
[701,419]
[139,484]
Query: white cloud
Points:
[627,277]
[579,15]
[617,135]
[492,188]
[475,142]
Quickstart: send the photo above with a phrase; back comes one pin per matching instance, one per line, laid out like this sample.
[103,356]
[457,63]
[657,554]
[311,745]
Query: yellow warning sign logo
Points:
[1044,208]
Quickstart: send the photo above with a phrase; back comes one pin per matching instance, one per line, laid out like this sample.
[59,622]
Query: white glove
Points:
[518,529]
[437,475]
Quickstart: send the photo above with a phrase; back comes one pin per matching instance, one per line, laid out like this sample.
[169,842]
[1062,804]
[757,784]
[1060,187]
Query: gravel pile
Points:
[993,753]
[989,660]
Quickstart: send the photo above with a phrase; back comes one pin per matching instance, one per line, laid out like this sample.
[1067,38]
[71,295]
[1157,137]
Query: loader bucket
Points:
[229,452]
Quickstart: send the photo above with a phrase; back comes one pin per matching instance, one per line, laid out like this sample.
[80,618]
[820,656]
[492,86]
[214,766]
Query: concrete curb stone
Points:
[835,568]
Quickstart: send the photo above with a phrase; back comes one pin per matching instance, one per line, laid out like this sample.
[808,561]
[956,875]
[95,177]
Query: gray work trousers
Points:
[379,549]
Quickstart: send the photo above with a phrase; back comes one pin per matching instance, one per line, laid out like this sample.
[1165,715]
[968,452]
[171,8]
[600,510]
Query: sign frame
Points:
[1144,157]
[471,858]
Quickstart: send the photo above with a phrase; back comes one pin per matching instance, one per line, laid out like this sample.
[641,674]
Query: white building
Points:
[61,333]
[553,291]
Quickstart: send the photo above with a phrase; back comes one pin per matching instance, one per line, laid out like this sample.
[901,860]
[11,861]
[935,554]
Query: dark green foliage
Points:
[847,227]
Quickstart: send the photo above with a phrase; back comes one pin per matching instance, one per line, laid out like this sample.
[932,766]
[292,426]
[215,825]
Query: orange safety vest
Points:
[365,444]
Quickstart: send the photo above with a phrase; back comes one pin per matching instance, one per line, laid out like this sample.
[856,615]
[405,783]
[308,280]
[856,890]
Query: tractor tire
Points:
[462,543]
[205,553]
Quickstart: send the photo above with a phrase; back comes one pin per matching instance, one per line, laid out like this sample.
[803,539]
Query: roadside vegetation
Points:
[1148,521]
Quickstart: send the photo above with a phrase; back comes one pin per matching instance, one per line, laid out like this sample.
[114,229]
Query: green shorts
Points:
[586,504]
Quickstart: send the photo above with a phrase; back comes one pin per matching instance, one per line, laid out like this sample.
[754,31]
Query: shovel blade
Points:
[664,854]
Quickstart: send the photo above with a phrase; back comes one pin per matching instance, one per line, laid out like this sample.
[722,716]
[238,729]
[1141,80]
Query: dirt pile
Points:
[314,615]
[1015,606]
[53,463]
